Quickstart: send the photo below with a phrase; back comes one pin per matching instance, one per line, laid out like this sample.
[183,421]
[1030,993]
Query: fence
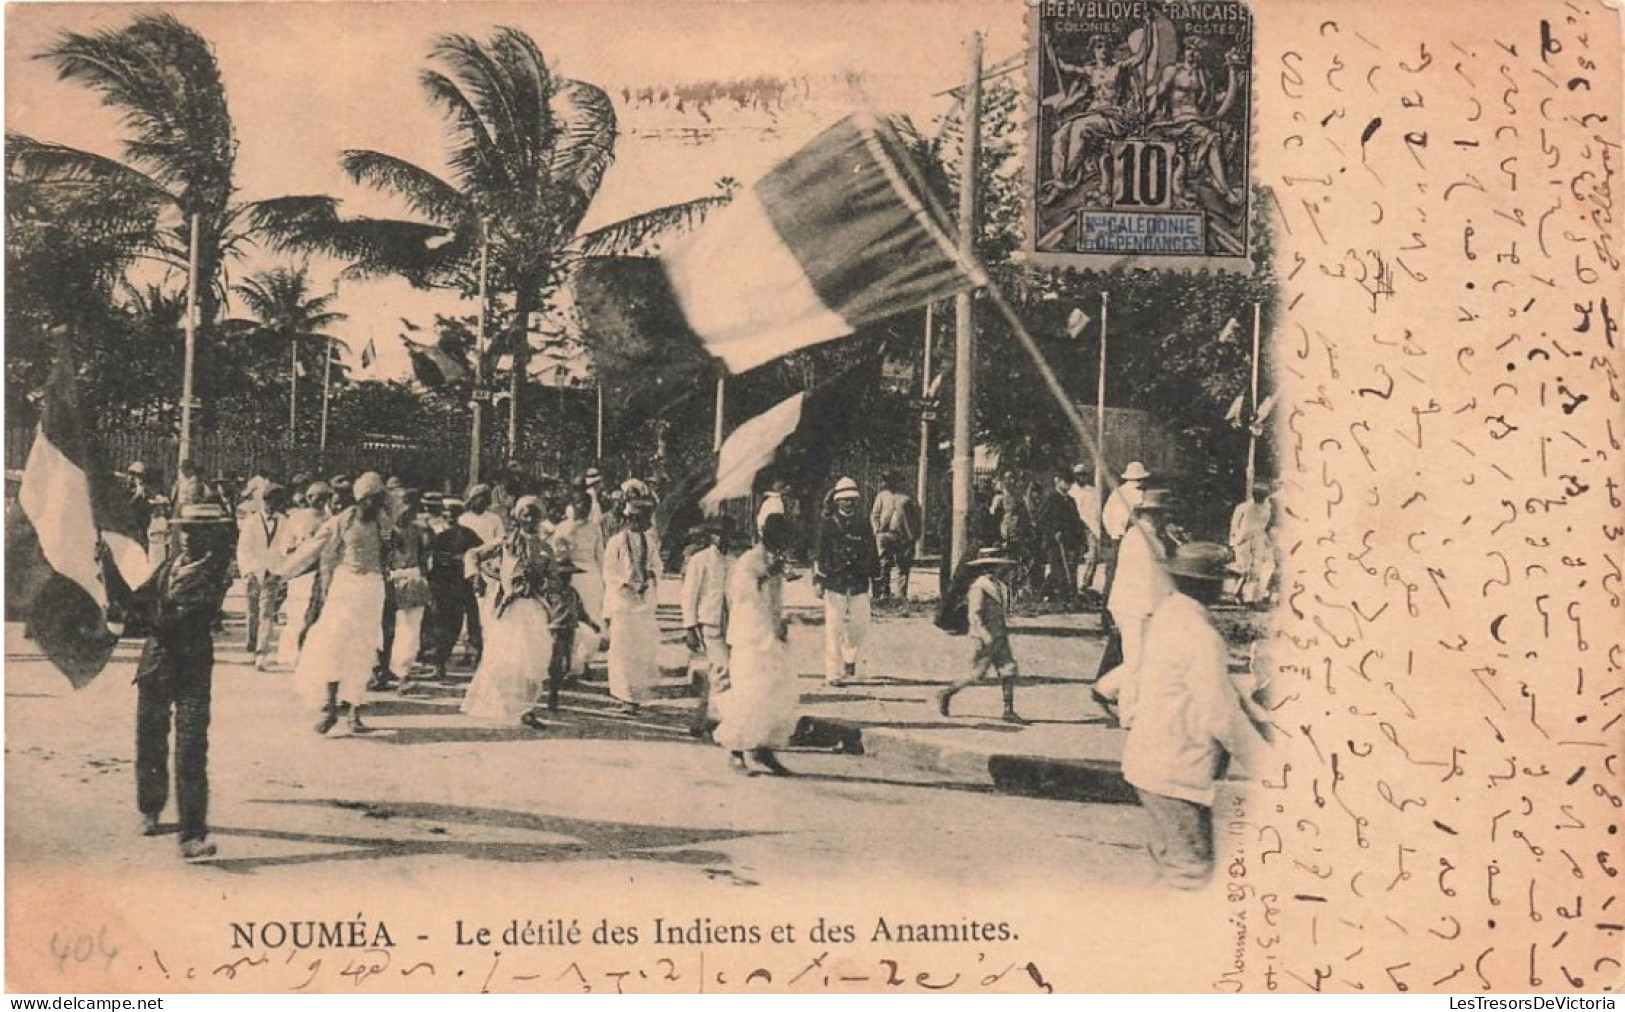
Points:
[426,462]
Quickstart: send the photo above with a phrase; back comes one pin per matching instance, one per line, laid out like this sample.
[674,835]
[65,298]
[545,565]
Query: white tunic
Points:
[758,710]
[631,568]
[343,645]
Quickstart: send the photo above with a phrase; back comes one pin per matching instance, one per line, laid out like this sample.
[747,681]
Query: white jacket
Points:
[256,536]
[705,588]
[1188,714]
[1142,581]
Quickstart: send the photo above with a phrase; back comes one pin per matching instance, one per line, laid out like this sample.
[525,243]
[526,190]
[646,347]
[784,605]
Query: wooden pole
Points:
[1100,416]
[327,392]
[293,392]
[921,475]
[1252,436]
[964,308]
[716,431]
[514,380]
[477,435]
[194,316]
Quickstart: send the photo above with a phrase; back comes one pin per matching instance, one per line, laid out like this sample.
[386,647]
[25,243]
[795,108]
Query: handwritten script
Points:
[1444,812]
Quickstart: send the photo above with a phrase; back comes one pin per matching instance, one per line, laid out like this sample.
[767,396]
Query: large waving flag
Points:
[837,236]
[76,537]
[825,416]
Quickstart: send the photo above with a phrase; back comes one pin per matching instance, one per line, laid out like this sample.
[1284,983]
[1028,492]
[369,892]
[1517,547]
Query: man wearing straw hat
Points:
[987,611]
[174,679]
[1189,717]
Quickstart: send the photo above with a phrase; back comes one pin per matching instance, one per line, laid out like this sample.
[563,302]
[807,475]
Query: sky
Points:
[305,81]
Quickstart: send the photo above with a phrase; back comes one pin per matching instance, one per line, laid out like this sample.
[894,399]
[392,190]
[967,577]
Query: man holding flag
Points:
[80,544]
[175,677]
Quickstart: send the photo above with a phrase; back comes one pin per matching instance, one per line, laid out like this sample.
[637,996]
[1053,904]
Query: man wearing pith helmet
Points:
[847,562]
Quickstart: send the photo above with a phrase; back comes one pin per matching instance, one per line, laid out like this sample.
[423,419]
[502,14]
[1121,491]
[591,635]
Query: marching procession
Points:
[363,587]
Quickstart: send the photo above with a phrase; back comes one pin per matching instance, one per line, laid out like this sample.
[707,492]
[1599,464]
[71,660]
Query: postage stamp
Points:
[1140,133]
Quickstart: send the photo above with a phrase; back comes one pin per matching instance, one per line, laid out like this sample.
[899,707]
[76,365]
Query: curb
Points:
[1095,781]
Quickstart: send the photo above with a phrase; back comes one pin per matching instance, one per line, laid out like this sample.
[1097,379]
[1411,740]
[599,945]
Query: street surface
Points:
[440,818]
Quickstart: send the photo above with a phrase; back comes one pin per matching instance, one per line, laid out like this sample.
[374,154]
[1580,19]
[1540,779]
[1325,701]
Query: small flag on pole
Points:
[369,355]
[837,236]
[1231,328]
[77,540]
[1076,321]
[433,367]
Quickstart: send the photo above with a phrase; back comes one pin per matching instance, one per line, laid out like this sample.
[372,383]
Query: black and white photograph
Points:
[902,496]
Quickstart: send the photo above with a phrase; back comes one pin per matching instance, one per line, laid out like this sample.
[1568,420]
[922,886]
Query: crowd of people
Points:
[1062,538]
[365,585]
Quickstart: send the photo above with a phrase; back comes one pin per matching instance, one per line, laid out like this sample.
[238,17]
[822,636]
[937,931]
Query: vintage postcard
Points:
[810,497]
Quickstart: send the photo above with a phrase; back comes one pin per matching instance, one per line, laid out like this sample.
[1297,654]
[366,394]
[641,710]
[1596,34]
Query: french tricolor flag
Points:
[837,236]
[76,545]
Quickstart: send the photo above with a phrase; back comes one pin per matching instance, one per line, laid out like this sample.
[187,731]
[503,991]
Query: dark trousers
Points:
[384,652]
[899,556]
[451,604]
[253,616]
[558,666]
[1059,571]
[313,611]
[174,683]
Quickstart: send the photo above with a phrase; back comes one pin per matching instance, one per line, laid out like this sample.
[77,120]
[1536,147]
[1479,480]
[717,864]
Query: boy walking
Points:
[987,609]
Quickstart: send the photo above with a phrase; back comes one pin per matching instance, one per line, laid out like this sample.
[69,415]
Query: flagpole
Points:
[1252,433]
[475,435]
[921,478]
[598,443]
[964,321]
[192,320]
[1100,411]
[327,386]
[716,431]
[293,391]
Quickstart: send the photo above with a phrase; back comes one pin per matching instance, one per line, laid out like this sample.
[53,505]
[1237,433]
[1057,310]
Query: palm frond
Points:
[30,160]
[585,145]
[489,109]
[425,255]
[641,233]
[425,193]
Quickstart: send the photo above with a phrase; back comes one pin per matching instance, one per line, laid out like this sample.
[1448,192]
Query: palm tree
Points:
[283,311]
[180,154]
[527,151]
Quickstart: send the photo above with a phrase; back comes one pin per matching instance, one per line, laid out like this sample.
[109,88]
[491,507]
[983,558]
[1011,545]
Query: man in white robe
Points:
[631,574]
